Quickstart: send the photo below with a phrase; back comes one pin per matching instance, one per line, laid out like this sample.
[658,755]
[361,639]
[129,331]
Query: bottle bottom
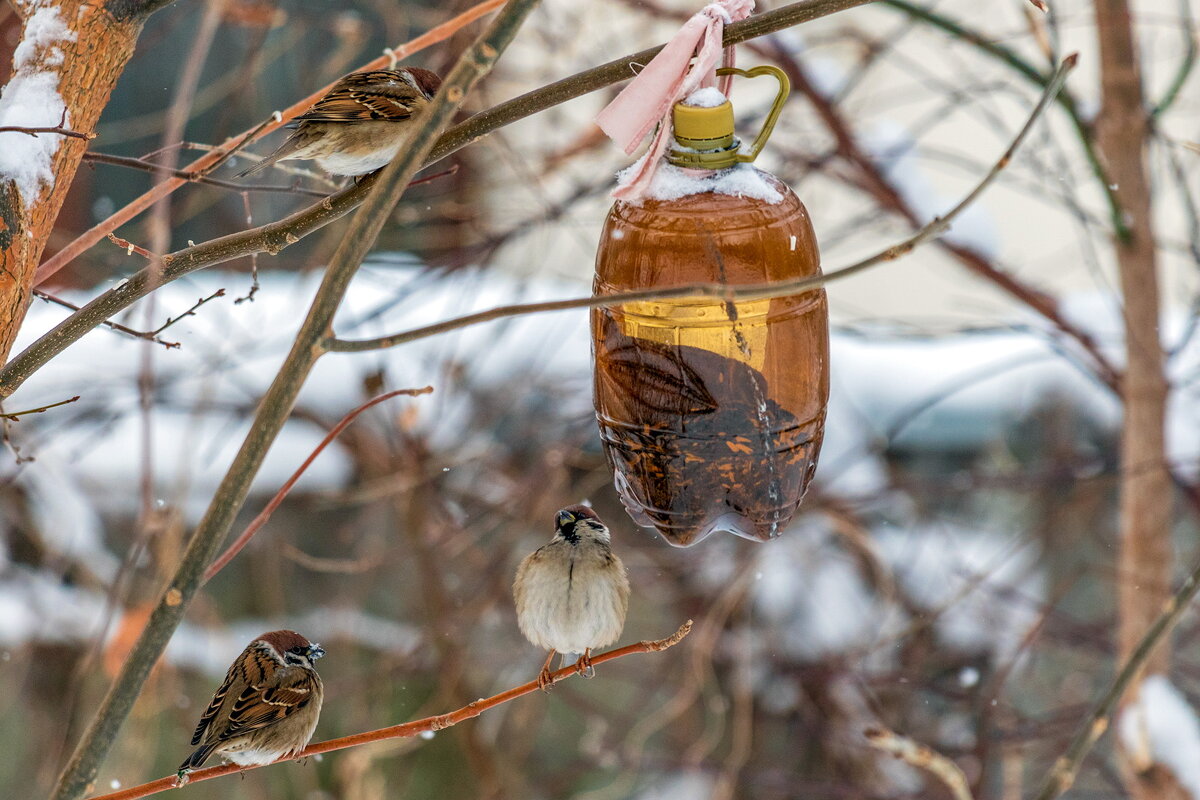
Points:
[688,488]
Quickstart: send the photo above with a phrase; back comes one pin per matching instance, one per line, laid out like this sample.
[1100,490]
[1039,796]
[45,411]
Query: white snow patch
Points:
[708,97]
[814,597]
[212,650]
[1161,727]
[31,100]
[671,182]
[985,590]
[894,149]
[64,516]
[35,607]
[689,783]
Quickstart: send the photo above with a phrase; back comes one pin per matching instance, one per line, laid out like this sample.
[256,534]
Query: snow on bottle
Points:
[711,413]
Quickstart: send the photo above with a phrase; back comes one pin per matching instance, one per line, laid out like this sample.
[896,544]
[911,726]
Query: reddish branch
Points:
[257,523]
[407,729]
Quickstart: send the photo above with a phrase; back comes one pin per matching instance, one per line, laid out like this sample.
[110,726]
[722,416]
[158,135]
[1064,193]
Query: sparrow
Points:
[360,124]
[572,594]
[266,709]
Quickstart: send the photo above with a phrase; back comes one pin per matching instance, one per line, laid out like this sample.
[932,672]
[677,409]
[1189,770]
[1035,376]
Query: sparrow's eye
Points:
[294,658]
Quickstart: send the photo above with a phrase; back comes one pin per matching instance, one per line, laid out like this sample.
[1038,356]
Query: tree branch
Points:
[274,237]
[407,729]
[1062,775]
[747,292]
[1083,128]
[277,403]
[923,757]
[257,523]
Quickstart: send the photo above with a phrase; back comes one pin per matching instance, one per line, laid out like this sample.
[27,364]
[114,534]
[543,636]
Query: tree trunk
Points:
[1144,561]
[82,46]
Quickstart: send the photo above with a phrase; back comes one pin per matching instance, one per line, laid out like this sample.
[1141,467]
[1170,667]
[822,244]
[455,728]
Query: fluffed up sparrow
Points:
[572,594]
[360,124]
[266,709]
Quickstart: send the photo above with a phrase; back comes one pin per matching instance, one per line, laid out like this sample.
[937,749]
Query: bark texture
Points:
[1145,557]
[88,70]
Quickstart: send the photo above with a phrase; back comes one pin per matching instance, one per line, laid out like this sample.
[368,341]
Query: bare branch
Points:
[191,312]
[748,292]
[408,729]
[14,416]
[195,177]
[116,326]
[257,523]
[922,757]
[276,405]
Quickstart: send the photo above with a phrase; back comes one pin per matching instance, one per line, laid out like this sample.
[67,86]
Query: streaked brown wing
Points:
[259,707]
[207,717]
[364,96]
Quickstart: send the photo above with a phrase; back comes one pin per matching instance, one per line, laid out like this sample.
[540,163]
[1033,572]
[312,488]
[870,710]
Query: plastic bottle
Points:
[711,413]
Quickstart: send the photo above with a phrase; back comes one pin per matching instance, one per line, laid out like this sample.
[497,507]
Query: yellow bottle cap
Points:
[704,128]
[706,133]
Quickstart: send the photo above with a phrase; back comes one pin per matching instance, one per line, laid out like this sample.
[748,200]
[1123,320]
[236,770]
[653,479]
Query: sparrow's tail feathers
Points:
[197,758]
[284,150]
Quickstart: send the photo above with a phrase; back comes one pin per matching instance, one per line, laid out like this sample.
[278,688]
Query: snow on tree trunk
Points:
[70,56]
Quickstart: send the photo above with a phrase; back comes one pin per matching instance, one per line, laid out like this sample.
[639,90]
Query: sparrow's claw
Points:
[544,681]
[181,778]
[584,665]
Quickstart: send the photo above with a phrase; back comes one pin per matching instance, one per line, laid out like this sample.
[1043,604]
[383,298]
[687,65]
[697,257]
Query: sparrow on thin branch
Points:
[266,709]
[572,594]
[360,124]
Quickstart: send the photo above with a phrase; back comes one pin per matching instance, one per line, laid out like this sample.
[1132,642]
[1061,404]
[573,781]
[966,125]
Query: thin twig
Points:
[219,563]
[407,729]
[196,177]
[191,312]
[922,757]
[130,248]
[116,326]
[747,292]
[13,417]
[57,130]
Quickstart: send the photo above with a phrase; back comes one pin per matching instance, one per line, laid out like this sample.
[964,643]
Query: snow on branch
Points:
[31,101]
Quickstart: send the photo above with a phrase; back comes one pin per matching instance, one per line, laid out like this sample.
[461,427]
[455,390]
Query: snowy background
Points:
[950,574]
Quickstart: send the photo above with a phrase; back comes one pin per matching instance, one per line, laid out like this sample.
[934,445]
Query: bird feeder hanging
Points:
[711,410]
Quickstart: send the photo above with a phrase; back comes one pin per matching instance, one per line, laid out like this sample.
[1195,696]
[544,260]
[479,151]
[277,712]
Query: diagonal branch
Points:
[935,228]
[408,729]
[276,405]
[274,237]
[264,515]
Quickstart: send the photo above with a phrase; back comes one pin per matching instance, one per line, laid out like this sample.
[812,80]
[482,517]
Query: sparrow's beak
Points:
[565,518]
[315,651]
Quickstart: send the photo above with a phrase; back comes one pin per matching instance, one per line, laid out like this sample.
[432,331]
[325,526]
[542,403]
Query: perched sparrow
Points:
[572,593]
[267,707]
[360,124]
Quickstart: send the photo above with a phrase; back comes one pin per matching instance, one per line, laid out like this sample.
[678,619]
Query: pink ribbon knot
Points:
[669,77]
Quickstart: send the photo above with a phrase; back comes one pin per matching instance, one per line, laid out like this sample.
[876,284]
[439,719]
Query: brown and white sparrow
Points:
[360,124]
[572,594]
[266,709]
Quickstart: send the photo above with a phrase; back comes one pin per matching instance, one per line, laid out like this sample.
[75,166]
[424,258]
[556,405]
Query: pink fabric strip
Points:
[666,80]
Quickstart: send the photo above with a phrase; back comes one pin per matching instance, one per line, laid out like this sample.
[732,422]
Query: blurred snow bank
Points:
[981,590]
[38,608]
[1160,727]
[515,384]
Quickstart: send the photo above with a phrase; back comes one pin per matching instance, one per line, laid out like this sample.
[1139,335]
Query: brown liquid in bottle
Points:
[711,413]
